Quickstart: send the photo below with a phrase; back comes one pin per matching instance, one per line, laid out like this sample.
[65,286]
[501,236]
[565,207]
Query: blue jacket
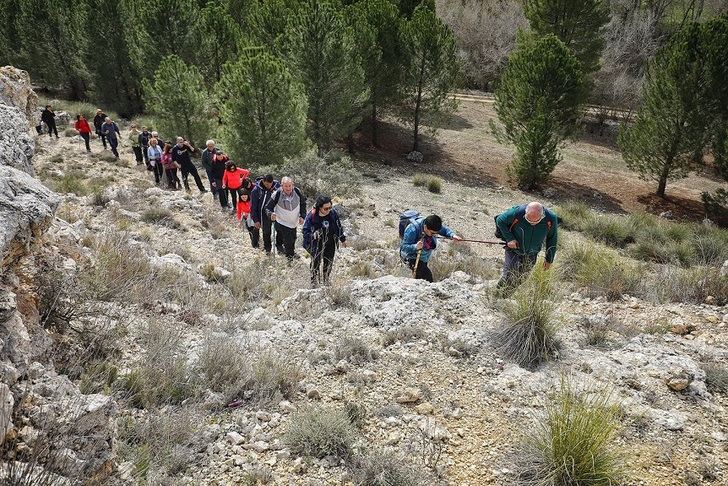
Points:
[259,197]
[413,234]
[314,222]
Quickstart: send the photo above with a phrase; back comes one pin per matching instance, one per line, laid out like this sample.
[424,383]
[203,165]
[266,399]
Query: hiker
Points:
[243,212]
[262,191]
[207,158]
[286,208]
[111,130]
[170,168]
[525,228]
[84,130]
[322,232]
[143,142]
[418,243]
[181,155]
[218,163]
[160,141]
[154,153]
[232,180]
[135,145]
[98,122]
[49,118]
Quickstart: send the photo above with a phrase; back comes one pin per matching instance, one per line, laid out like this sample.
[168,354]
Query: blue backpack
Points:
[405,219]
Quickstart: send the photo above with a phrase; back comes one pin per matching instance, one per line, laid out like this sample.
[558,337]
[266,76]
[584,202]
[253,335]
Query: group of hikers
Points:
[277,208]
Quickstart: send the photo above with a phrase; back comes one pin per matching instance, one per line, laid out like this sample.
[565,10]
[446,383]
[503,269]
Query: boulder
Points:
[6,411]
[16,143]
[16,90]
[26,210]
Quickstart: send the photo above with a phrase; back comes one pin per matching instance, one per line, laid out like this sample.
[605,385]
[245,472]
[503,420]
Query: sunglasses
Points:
[325,208]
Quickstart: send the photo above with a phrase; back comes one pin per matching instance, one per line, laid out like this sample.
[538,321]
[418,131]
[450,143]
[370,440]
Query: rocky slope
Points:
[416,363]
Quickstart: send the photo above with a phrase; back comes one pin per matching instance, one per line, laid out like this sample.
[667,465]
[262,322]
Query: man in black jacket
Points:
[49,118]
[99,120]
[286,208]
[144,139]
[259,198]
[181,154]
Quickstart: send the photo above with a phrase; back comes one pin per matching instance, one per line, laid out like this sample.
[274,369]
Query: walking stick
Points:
[417,263]
[485,242]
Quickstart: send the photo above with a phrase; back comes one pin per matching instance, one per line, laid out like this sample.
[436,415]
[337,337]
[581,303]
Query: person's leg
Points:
[158,171]
[279,237]
[145,155]
[316,258]
[114,142]
[213,184]
[254,236]
[185,175]
[103,140]
[512,268]
[290,242]
[49,125]
[198,181]
[267,226]
[328,254]
[222,195]
[86,139]
[138,154]
[234,198]
[424,272]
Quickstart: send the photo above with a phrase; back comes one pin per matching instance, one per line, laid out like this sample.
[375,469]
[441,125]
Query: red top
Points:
[233,179]
[243,209]
[82,126]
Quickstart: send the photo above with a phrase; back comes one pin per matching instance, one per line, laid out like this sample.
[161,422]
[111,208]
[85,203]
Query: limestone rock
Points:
[6,409]
[26,210]
[16,143]
[16,90]
[409,395]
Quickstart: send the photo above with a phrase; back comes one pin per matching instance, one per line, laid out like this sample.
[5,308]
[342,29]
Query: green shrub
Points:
[573,443]
[72,182]
[419,179]
[333,174]
[672,284]
[612,230]
[386,468]
[160,216]
[528,336]
[320,431]
[434,185]
[715,204]
[575,215]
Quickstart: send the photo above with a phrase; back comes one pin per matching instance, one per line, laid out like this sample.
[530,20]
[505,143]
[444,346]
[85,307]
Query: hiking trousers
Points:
[138,154]
[158,170]
[86,137]
[285,240]
[515,267]
[214,183]
[172,179]
[187,169]
[114,142]
[266,225]
[52,128]
[324,251]
[423,272]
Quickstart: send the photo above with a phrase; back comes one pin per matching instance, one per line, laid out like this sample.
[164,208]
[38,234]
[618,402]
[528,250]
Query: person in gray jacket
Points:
[286,209]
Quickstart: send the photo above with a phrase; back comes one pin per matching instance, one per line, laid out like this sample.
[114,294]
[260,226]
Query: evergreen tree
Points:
[714,40]
[320,47]
[538,102]
[53,42]
[669,125]
[408,7]
[112,40]
[168,30]
[577,23]
[266,25]
[263,109]
[377,27]
[177,98]
[430,71]
[217,37]
[9,41]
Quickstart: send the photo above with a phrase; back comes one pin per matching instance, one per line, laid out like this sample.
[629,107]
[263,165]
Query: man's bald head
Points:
[534,212]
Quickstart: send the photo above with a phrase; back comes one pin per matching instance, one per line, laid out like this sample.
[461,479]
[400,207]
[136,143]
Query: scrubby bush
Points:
[403,334]
[528,336]
[419,179]
[223,365]
[160,216]
[272,377]
[354,349]
[716,377]
[573,442]
[461,257]
[333,174]
[434,185]
[320,431]
[671,284]
[72,182]
[386,468]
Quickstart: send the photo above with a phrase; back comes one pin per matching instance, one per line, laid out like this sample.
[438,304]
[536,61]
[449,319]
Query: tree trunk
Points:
[375,135]
[418,102]
[663,177]
[350,143]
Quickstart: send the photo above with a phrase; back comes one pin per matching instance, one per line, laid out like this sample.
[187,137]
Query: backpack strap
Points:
[520,214]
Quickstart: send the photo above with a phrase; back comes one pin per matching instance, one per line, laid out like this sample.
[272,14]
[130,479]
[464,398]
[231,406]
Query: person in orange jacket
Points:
[232,180]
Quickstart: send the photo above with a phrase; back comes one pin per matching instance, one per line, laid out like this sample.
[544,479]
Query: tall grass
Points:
[320,431]
[573,442]
[528,336]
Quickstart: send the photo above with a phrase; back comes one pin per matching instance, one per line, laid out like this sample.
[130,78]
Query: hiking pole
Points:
[485,242]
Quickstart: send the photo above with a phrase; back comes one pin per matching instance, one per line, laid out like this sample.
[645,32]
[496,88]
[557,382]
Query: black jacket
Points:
[144,138]
[259,198]
[48,116]
[328,227]
[182,155]
[98,121]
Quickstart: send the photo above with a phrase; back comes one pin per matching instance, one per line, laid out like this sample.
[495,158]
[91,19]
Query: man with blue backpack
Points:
[419,239]
[525,229]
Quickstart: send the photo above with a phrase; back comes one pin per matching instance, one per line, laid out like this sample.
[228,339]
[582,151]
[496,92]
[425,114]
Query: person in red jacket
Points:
[243,212]
[83,129]
[232,180]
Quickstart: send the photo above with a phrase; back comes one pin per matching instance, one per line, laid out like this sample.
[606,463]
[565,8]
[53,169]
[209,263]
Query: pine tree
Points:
[116,77]
[168,28]
[577,23]
[377,27]
[320,47]
[9,41]
[661,143]
[263,109]
[430,71]
[178,100]
[266,25]
[714,40]
[538,102]
[53,42]
[217,37]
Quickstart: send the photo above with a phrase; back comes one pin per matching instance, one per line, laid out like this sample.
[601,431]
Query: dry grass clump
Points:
[223,365]
[461,257]
[386,468]
[354,350]
[72,182]
[528,336]
[432,183]
[273,377]
[320,431]
[573,442]
[716,377]
[160,216]
[405,334]
[695,285]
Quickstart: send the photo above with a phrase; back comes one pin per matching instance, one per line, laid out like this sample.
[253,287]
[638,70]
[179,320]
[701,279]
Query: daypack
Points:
[405,218]
[519,216]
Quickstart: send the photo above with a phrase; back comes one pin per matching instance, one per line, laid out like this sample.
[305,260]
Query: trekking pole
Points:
[417,263]
[485,242]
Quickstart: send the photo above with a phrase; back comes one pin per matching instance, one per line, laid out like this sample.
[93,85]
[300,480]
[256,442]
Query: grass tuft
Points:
[320,431]
[716,377]
[386,468]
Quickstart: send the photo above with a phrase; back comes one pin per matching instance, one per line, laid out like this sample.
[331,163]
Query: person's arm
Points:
[551,242]
[339,228]
[225,178]
[302,207]
[254,204]
[239,211]
[410,239]
[271,206]
[307,230]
